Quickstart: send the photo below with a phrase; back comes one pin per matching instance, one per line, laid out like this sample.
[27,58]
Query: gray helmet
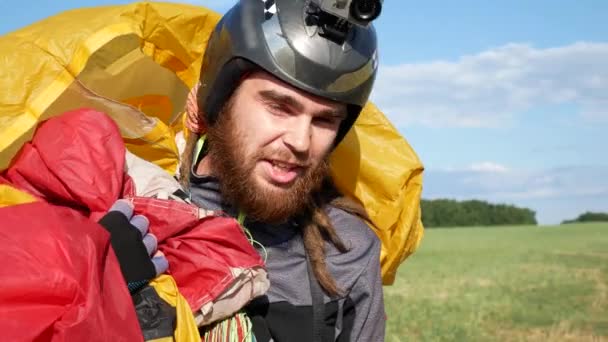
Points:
[283,38]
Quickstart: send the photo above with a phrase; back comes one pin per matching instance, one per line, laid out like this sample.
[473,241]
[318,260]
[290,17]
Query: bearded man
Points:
[278,91]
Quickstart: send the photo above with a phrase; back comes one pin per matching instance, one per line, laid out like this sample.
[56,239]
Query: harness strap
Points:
[318,305]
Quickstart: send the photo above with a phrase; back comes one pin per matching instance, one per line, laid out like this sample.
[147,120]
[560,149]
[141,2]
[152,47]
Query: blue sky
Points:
[505,101]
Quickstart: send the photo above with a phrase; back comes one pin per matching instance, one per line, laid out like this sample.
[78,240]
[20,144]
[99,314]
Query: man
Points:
[278,91]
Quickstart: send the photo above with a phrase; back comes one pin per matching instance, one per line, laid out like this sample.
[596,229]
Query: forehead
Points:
[261,80]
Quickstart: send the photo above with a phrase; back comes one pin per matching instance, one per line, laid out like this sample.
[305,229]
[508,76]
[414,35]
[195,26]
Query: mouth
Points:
[281,172]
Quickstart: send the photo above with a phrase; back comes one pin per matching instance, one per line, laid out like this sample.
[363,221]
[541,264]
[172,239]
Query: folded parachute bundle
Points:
[136,63]
[215,268]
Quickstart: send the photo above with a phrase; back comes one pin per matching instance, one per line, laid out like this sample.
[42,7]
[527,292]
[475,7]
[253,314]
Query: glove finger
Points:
[151,243]
[141,223]
[123,206]
[161,264]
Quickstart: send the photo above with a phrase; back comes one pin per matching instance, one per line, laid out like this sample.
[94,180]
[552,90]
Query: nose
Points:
[298,135]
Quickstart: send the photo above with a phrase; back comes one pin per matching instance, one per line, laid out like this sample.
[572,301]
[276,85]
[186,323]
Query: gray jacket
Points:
[285,312]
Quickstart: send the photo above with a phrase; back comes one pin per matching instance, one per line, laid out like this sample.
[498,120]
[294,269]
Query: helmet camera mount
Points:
[335,17]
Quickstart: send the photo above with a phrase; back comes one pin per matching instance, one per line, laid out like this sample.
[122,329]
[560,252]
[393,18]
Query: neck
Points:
[203,167]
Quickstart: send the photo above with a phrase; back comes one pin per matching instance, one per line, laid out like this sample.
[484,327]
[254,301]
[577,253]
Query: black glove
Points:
[133,244]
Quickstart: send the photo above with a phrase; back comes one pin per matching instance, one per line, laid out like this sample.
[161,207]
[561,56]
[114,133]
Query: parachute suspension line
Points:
[252,241]
[237,328]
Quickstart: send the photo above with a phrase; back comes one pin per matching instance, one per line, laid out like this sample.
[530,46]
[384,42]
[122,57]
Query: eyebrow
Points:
[338,114]
[287,100]
[274,96]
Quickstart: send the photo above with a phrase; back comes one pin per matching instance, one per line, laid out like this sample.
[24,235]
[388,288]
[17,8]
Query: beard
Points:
[238,185]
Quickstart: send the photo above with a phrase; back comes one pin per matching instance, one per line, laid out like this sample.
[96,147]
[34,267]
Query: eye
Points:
[328,121]
[277,108]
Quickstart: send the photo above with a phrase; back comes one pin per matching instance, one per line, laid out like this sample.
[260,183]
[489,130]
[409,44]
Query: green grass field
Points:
[503,284]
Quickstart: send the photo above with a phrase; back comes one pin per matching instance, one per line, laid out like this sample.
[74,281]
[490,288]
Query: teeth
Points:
[281,166]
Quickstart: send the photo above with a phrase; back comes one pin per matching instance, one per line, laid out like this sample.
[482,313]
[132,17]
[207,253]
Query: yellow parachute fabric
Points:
[375,165]
[11,196]
[137,63]
[124,60]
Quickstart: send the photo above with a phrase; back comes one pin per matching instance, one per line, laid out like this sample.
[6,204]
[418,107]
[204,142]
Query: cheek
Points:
[321,144]
[255,132]
[258,127]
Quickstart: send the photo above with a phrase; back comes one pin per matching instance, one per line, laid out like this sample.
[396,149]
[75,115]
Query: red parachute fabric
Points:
[60,280]
[77,160]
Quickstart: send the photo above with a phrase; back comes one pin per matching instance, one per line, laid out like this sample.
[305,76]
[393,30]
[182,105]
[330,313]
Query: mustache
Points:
[285,156]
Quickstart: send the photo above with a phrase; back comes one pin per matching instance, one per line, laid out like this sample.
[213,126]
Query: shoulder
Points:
[362,243]
[353,230]
[363,254]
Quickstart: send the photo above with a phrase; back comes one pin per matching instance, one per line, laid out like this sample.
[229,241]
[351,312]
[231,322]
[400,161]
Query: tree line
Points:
[589,217]
[452,213]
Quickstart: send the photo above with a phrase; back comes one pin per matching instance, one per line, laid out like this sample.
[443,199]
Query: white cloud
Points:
[482,166]
[488,89]
[488,167]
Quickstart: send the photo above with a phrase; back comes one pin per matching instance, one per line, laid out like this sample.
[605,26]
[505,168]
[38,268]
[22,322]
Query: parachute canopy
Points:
[138,62]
